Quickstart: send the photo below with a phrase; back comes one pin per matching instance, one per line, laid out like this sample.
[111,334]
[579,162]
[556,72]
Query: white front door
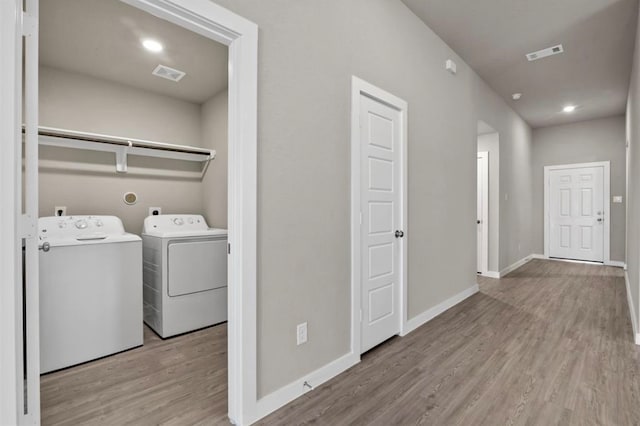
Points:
[381,244]
[577,213]
[482,212]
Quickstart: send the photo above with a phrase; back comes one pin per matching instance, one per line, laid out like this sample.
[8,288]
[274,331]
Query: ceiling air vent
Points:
[168,73]
[549,51]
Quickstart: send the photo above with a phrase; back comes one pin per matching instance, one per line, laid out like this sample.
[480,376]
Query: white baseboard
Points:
[616,263]
[428,315]
[515,266]
[270,403]
[632,310]
[491,274]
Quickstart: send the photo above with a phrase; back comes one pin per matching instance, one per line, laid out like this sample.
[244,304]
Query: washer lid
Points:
[179,225]
[82,230]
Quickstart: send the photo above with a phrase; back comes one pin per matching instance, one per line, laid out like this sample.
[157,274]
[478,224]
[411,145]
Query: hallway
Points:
[551,343]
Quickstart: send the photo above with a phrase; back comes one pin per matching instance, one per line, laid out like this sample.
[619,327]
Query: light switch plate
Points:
[617,199]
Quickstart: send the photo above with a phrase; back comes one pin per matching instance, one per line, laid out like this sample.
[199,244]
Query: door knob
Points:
[45,247]
[399,234]
[599,219]
[478,221]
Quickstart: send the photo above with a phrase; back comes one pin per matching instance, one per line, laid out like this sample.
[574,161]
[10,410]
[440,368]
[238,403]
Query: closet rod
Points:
[127,142]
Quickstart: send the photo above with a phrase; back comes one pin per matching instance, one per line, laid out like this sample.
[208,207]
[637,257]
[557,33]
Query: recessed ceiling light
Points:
[152,45]
[516,96]
[569,108]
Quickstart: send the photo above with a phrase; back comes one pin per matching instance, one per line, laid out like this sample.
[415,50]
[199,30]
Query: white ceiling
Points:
[493,36]
[102,38]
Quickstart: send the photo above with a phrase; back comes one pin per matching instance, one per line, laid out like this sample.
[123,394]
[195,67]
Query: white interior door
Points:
[29,186]
[576,207]
[482,213]
[381,209]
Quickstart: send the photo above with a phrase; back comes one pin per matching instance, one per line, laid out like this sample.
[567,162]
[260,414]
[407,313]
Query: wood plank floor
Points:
[549,344]
[178,381]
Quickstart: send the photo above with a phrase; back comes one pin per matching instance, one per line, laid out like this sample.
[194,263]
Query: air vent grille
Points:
[168,73]
[549,51]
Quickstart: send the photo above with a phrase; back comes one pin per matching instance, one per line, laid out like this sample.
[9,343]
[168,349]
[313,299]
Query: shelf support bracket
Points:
[121,158]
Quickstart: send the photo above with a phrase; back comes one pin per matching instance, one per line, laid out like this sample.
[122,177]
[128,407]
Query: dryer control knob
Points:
[98,223]
[62,224]
[81,224]
[178,221]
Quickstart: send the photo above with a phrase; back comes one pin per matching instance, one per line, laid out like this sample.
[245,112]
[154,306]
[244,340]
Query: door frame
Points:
[241,36]
[360,87]
[606,165]
[485,211]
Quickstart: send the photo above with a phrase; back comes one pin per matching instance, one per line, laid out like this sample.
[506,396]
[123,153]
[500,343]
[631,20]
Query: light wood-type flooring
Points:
[177,381]
[551,343]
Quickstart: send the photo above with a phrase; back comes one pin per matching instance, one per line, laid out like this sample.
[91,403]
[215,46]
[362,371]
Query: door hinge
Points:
[29,25]
[27,228]
[228,248]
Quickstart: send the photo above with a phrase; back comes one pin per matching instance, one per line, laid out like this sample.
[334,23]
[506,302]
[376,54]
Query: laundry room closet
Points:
[133,115]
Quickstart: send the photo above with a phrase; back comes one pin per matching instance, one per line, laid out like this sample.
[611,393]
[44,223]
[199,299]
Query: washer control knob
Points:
[178,221]
[98,223]
[81,224]
[190,220]
[62,224]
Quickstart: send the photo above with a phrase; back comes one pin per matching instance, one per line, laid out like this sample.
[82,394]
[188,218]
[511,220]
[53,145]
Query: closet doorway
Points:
[87,147]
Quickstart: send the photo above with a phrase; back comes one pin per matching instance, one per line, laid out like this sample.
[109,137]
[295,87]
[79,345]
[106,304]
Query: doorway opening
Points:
[108,68]
[88,167]
[488,202]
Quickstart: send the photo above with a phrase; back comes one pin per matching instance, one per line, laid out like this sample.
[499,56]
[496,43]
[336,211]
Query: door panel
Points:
[482,213]
[381,213]
[196,266]
[576,213]
[29,187]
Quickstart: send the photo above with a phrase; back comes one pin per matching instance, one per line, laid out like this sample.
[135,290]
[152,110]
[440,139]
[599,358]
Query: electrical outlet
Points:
[301,333]
[60,211]
[155,211]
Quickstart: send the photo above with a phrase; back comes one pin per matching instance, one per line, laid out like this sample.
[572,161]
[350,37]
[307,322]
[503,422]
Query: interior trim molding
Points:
[490,274]
[271,402]
[614,263]
[515,265]
[632,310]
[430,314]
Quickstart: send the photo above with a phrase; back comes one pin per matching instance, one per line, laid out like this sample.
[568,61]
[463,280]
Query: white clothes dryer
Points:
[90,289]
[184,274]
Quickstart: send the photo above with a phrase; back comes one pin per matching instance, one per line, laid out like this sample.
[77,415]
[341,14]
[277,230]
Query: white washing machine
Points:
[90,289]
[184,274]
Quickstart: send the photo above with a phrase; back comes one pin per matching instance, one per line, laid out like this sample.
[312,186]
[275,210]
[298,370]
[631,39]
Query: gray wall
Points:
[214,119]
[633,179]
[79,102]
[491,143]
[583,142]
[308,52]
